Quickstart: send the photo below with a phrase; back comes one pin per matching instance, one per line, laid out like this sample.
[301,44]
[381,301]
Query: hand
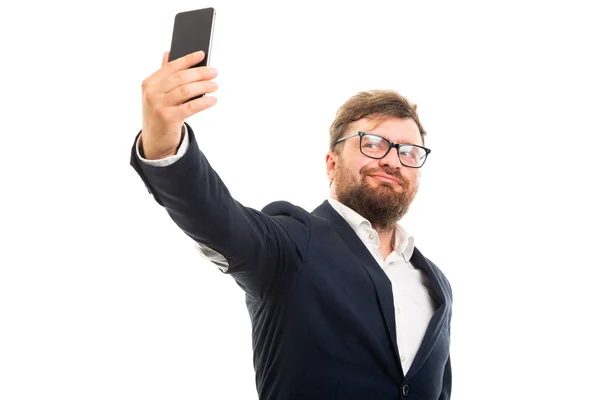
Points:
[164,107]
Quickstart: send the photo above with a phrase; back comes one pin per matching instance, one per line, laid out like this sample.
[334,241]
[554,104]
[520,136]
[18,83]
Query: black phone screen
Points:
[192,32]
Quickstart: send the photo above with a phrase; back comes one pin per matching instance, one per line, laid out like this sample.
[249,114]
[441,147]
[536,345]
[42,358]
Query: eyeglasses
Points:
[377,147]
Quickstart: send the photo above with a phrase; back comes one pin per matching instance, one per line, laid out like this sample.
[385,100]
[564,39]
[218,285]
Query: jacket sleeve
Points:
[262,249]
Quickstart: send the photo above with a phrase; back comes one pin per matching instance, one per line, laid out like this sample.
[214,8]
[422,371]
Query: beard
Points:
[383,205]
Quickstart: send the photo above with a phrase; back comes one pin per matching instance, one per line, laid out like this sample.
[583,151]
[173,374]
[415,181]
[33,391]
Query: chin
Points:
[389,187]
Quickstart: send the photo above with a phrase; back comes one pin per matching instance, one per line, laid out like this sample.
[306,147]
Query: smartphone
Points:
[192,31]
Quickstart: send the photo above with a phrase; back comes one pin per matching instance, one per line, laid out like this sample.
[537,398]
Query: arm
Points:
[260,249]
[163,162]
[204,251]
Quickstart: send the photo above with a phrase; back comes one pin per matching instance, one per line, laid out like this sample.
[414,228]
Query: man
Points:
[342,304]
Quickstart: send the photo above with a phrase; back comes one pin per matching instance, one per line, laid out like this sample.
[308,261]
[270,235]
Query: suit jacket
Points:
[321,307]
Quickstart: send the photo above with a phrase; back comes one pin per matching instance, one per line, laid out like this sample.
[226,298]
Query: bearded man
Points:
[342,303]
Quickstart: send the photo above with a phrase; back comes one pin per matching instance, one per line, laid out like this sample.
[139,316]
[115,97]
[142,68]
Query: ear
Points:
[330,164]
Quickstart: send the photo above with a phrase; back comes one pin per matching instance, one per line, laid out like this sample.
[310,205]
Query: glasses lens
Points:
[374,146]
[377,147]
[412,156]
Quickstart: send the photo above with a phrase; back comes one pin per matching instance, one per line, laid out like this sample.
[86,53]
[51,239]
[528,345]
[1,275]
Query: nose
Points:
[391,159]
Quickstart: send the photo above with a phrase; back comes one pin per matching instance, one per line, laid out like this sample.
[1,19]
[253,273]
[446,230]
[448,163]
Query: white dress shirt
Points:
[413,304]
[163,162]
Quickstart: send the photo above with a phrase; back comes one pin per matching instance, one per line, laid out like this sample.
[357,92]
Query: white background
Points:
[103,297]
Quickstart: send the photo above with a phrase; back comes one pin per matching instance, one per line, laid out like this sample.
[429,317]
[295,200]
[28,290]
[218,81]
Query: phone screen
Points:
[192,32]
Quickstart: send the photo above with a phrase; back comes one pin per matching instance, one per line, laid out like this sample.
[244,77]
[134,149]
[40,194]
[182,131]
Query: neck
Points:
[386,238]
[386,235]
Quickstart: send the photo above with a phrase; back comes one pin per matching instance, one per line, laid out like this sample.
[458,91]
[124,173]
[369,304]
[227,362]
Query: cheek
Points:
[366,166]
[411,175]
[351,175]
[414,179]
[352,169]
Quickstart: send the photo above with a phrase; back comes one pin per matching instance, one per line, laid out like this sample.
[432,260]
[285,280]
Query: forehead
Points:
[396,130]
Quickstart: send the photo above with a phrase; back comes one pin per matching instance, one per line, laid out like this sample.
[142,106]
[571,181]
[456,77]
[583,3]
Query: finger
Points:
[182,63]
[185,92]
[190,108]
[165,59]
[186,76]
[178,64]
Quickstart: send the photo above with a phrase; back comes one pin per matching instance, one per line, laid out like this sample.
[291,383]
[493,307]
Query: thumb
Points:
[165,58]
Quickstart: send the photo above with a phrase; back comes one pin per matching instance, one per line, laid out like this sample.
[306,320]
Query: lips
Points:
[386,178]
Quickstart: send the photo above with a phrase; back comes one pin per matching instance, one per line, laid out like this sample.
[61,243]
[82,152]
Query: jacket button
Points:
[405,390]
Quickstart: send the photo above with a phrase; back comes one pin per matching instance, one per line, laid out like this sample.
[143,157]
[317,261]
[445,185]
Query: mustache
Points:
[390,172]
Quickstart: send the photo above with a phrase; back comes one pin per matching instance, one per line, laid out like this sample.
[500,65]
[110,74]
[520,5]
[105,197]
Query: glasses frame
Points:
[392,145]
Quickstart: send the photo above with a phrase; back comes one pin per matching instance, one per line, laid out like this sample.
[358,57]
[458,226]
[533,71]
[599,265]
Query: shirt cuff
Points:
[163,162]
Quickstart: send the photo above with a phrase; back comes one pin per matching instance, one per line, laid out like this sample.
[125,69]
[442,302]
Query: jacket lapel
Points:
[382,284]
[439,318]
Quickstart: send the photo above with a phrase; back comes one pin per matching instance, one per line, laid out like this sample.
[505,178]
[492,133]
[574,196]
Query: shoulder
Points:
[287,213]
[295,220]
[286,208]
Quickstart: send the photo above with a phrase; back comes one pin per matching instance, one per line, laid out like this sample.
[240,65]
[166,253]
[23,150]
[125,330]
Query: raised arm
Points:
[262,249]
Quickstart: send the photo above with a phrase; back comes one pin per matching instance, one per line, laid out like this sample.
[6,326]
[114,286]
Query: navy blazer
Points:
[321,307]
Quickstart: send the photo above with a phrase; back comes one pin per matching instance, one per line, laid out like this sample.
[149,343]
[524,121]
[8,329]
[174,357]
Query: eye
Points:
[411,153]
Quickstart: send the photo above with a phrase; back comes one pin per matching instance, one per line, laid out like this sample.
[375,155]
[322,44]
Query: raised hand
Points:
[165,104]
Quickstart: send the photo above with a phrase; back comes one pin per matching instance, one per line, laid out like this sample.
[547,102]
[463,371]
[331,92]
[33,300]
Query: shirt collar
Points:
[404,242]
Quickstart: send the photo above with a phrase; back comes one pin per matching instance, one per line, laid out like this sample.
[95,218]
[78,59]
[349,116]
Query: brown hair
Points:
[378,105]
